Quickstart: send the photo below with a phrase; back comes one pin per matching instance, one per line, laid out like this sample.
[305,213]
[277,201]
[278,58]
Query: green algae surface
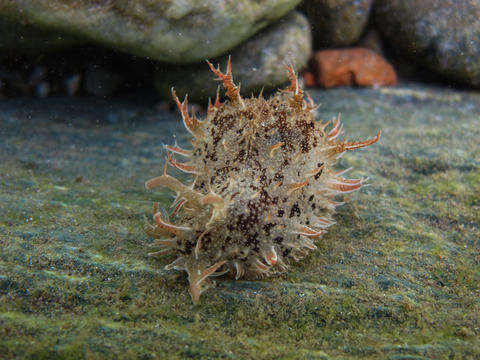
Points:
[397,277]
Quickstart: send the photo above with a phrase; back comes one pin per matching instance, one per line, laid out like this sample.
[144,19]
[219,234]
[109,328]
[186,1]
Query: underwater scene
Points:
[240,179]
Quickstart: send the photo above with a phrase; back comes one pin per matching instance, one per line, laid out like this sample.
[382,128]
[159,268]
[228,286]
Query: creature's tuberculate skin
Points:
[264,185]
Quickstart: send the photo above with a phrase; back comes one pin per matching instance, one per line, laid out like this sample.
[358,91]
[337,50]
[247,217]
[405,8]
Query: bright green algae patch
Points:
[397,277]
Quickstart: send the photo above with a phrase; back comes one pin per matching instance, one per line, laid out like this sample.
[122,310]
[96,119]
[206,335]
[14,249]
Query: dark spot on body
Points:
[278,177]
[294,210]
[318,174]
[268,227]
[252,242]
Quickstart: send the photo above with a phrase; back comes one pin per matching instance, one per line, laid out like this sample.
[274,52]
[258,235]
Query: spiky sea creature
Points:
[264,185]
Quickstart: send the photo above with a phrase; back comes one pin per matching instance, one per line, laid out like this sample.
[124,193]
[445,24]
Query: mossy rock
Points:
[397,277]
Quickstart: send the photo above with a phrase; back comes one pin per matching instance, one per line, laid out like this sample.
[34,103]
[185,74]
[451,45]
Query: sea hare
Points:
[264,187]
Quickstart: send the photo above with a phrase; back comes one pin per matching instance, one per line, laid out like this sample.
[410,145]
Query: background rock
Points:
[354,66]
[442,36]
[336,23]
[258,63]
[18,36]
[372,40]
[165,30]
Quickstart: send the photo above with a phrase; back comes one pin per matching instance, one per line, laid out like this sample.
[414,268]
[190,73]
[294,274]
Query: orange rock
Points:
[355,66]
[309,79]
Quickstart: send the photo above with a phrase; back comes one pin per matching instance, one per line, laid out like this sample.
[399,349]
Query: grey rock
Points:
[19,36]
[442,36]
[166,30]
[256,64]
[337,23]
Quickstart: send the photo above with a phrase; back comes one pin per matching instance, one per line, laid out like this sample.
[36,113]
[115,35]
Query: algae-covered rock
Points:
[166,30]
[258,63]
[440,35]
[337,23]
[397,277]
